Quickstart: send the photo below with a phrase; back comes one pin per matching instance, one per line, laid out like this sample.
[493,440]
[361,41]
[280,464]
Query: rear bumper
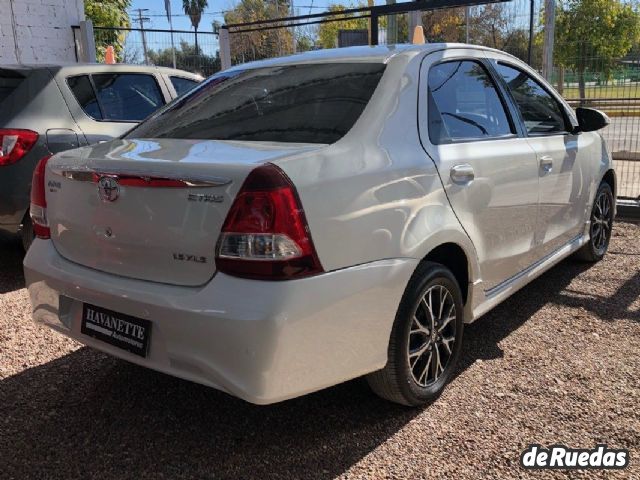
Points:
[260,341]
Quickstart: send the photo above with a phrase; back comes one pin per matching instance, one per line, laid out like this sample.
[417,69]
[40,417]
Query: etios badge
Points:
[108,189]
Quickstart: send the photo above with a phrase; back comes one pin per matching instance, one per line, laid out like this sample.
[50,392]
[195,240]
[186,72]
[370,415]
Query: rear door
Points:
[563,167]
[489,171]
[107,105]
[30,101]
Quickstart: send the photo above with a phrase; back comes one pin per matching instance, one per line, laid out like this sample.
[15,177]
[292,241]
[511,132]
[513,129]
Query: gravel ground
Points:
[557,363]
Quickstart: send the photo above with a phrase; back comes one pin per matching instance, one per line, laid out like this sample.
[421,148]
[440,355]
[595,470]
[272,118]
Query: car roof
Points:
[377,53]
[76,68]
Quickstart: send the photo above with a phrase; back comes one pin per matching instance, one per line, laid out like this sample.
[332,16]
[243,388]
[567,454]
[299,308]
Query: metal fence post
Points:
[225,48]
[374,29]
[86,43]
[415,19]
[549,34]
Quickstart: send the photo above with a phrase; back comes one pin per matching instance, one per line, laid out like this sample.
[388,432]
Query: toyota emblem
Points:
[108,189]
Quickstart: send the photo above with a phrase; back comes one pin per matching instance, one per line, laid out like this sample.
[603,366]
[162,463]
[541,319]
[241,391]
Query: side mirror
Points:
[590,119]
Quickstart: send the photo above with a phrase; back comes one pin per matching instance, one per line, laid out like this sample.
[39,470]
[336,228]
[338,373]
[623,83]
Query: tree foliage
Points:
[328,32]
[259,44]
[194,9]
[108,13]
[187,58]
[445,25]
[592,35]
[439,25]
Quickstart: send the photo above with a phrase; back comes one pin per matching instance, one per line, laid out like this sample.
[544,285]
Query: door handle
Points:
[546,163]
[462,174]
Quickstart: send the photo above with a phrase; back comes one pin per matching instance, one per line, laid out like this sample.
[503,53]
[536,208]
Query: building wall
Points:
[38,31]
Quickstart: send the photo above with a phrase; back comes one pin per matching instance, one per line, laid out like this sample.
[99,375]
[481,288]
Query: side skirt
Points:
[504,290]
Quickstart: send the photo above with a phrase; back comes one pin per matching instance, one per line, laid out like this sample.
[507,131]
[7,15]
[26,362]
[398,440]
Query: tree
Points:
[194,9]
[592,35]
[188,57]
[328,32]
[109,13]
[444,25]
[259,44]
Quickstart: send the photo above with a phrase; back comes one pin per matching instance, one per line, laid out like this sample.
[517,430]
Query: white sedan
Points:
[297,222]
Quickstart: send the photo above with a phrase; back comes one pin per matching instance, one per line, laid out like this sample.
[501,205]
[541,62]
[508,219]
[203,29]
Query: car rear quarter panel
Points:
[375,194]
[36,105]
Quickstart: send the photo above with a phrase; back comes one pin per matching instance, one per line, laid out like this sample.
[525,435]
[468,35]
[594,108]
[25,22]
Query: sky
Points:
[215,10]
[209,44]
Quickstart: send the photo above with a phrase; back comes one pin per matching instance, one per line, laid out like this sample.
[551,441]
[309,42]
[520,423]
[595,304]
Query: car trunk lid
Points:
[150,209]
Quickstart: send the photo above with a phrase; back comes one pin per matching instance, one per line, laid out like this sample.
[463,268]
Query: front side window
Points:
[313,103]
[464,104]
[541,112]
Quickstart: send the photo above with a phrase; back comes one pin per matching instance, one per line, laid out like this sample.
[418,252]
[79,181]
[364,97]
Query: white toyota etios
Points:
[297,222]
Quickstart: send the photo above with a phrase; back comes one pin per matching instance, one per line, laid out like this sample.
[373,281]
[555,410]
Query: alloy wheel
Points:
[432,335]
[601,222]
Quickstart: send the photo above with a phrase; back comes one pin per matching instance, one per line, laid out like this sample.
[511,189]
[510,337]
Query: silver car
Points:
[297,222]
[45,109]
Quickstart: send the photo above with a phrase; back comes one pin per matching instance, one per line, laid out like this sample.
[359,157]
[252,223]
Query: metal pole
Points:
[370,4]
[466,23]
[225,48]
[549,37]
[415,19]
[173,48]
[392,26]
[87,42]
[529,54]
[374,29]
[293,29]
[141,21]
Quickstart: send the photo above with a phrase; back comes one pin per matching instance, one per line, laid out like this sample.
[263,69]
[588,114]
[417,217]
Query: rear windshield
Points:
[9,81]
[316,103]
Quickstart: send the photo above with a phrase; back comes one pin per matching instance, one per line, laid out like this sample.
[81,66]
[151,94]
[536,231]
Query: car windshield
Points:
[311,103]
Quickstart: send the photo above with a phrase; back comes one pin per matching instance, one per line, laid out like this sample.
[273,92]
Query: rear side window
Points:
[314,103]
[117,97]
[464,104]
[9,81]
[182,85]
[83,91]
[541,112]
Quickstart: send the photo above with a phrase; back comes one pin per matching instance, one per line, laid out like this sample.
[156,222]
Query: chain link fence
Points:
[600,69]
[599,72]
[181,49]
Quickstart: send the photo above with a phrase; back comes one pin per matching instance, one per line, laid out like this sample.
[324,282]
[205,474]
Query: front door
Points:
[488,169]
[563,186]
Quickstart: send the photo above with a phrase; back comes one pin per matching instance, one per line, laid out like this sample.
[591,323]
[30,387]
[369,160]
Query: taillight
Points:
[38,208]
[14,144]
[266,235]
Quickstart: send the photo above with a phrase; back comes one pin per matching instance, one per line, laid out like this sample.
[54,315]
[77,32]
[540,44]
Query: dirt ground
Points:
[559,362]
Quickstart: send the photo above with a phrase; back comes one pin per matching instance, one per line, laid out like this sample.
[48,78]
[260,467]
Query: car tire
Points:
[600,227]
[26,232]
[409,378]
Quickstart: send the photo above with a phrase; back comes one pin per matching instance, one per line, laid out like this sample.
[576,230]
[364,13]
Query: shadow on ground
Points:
[11,256]
[89,415]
